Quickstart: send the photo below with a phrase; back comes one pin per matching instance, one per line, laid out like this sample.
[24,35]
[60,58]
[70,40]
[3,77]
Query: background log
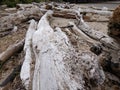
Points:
[97,35]
[11,50]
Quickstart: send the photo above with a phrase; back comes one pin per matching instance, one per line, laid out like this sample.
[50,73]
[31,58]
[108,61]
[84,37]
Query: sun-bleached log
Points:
[25,71]
[11,50]
[100,12]
[103,8]
[55,58]
[87,10]
[97,35]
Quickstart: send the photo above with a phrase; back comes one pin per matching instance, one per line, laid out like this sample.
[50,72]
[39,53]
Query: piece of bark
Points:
[11,50]
[26,67]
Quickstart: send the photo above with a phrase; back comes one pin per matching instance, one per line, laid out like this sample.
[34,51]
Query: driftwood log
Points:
[60,61]
[11,50]
[106,13]
[97,35]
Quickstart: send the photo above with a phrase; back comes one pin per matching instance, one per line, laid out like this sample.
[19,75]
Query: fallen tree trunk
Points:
[11,50]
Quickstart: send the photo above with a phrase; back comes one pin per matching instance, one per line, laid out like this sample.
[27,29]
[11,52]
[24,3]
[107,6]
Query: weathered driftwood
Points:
[71,13]
[81,34]
[25,71]
[58,57]
[103,8]
[73,16]
[100,12]
[19,17]
[57,61]
[106,13]
[97,35]
[11,50]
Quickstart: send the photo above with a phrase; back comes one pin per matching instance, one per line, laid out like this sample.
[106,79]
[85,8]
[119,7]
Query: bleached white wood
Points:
[97,35]
[81,34]
[100,12]
[25,70]
[86,10]
[53,53]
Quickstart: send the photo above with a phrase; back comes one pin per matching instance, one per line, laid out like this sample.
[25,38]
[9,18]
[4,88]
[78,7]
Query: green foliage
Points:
[10,3]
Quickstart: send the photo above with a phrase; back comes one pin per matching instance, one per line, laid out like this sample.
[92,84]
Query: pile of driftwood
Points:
[62,55]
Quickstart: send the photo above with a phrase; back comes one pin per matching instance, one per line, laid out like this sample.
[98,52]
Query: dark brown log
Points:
[64,15]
